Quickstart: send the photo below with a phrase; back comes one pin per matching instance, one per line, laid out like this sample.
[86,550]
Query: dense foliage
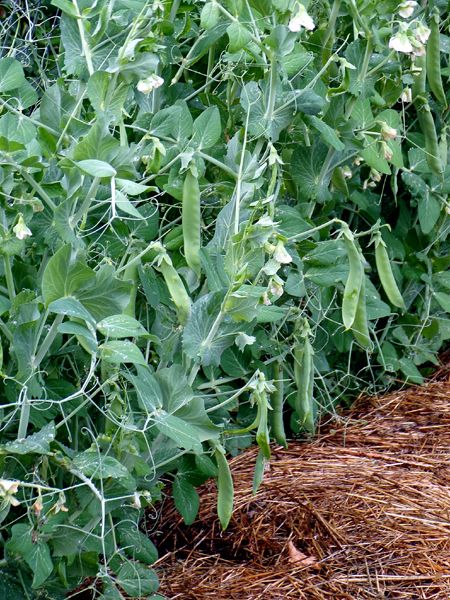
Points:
[218,220]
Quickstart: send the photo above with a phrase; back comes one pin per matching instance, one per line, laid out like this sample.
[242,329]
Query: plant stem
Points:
[84,43]
[217,163]
[6,332]
[49,339]
[9,278]
[36,186]
[86,203]
[24,415]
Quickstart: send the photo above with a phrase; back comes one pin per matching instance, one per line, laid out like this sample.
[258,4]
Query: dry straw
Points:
[362,512]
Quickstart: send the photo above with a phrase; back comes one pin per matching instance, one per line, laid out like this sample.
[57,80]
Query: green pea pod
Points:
[225,487]
[173,240]
[338,181]
[354,280]
[262,433]
[276,401]
[420,78]
[176,288]
[386,275]
[191,216]
[258,473]
[427,126]
[434,60]
[360,327]
[304,381]
[131,274]
[443,145]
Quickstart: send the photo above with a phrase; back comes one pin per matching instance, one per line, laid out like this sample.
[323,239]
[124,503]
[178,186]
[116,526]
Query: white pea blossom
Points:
[301,19]
[406,9]
[7,490]
[347,172]
[149,84]
[422,32]
[21,230]
[406,95]
[281,255]
[401,43]
[388,132]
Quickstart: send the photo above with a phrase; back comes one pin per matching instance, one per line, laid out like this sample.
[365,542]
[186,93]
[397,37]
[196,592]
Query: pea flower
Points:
[8,489]
[387,152]
[388,132]
[301,19]
[21,230]
[347,172]
[406,95]
[406,9]
[401,43]
[422,32]
[281,255]
[150,83]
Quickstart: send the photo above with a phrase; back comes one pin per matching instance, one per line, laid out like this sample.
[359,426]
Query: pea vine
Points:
[218,222]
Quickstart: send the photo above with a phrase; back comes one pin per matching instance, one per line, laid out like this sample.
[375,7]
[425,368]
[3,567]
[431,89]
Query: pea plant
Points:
[218,221]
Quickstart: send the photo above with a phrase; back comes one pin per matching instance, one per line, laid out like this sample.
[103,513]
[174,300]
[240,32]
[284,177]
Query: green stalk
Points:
[84,43]
[37,188]
[9,278]
[86,203]
[48,341]
[24,416]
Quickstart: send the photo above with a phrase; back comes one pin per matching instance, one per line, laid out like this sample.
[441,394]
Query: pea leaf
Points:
[11,74]
[95,465]
[186,499]
[207,128]
[96,168]
[122,352]
[121,326]
[239,36]
[37,443]
[135,544]
[136,579]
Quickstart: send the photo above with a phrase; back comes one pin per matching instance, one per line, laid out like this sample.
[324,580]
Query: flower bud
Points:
[21,230]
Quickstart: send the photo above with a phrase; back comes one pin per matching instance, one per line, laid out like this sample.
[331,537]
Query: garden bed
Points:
[361,512]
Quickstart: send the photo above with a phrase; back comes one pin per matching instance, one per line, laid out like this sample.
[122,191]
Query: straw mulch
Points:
[362,512]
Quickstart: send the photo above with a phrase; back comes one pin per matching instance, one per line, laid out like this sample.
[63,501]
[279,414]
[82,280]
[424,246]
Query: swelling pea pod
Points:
[131,274]
[386,275]
[190,217]
[360,327]
[225,487]
[304,379]
[419,81]
[175,286]
[354,281]
[427,126]
[433,58]
[276,401]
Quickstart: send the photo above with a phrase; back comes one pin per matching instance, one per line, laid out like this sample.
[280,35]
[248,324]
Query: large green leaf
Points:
[186,499]
[119,352]
[11,74]
[99,292]
[207,128]
[136,579]
[37,443]
[198,343]
[135,544]
[121,326]
[95,465]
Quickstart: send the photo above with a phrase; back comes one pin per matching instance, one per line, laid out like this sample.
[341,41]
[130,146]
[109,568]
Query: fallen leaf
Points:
[298,558]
